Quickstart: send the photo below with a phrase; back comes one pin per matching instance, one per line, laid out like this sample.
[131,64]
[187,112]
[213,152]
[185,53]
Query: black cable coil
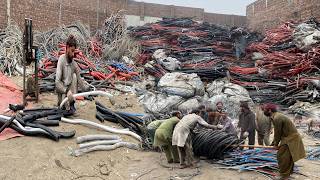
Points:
[213,144]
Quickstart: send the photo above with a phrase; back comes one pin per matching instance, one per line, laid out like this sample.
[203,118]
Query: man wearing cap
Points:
[247,123]
[291,148]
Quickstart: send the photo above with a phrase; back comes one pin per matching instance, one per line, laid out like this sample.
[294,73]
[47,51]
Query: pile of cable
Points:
[100,142]
[11,50]
[262,161]
[314,134]
[36,122]
[188,42]
[213,144]
[313,153]
[207,73]
[126,120]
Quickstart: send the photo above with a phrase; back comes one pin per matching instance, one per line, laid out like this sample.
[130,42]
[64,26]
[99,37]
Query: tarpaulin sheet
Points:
[9,133]
[10,93]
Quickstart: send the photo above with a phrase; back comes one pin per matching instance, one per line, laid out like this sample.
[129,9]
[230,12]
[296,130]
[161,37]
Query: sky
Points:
[236,7]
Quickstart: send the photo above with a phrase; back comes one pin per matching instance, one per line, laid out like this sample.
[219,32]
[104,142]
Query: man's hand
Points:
[238,130]
[219,126]
[70,96]
[245,134]
[213,127]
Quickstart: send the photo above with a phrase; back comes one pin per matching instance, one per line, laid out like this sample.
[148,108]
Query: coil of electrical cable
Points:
[213,144]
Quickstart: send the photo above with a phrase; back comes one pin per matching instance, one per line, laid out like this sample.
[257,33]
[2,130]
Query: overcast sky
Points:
[237,7]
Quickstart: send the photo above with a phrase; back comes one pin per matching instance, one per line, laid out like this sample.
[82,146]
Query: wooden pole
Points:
[255,146]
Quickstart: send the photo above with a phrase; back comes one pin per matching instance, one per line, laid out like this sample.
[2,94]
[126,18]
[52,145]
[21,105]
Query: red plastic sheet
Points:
[9,133]
[10,93]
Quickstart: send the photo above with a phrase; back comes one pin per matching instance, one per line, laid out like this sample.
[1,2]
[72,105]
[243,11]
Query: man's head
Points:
[195,111]
[177,114]
[71,46]
[269,109]
[244,106]
[219,106]
[202,108]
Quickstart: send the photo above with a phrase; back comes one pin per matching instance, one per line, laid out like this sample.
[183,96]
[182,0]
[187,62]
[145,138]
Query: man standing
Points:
[68,75]
[291,147]
[247,123]
[182,136]
[240,41]
[263,127]
[163,137]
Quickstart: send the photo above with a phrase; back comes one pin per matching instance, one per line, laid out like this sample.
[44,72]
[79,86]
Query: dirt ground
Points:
[33,158]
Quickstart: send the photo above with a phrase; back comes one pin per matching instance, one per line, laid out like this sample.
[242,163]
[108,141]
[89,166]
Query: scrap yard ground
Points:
[39,158]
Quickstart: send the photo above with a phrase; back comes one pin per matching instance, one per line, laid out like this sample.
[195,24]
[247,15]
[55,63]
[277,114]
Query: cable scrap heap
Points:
[11,50]
[262,161]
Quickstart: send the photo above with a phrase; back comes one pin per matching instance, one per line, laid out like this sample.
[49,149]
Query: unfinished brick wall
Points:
[264,14]
[231,20]
[47,14]
[3,16]
[158,10]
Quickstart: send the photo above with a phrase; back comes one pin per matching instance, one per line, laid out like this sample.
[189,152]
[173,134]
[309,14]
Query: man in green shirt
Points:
[163,137]
[152,127]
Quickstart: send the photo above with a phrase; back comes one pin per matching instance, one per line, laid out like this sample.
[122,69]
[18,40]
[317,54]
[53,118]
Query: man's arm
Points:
[60,88]
[82,85]
[205,124]
[227,125]
[277,123]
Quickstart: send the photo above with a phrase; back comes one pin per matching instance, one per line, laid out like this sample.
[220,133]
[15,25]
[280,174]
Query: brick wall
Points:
[158,10]
[264,14]
[47,14]
[3,12]
[231,20]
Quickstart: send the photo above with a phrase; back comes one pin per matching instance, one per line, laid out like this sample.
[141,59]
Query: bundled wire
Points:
[207,73]
[48,41]
[11,50]
[213,144]
[262,161]
[115,39]
[313,154]
[133,123]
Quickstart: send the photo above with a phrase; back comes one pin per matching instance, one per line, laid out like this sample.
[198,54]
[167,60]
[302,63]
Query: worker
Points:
[238,35]
[214,117]
[219,107]
[263,127]
[203,112]
[182,136]
[152,127]
[163,137]
[291,148]
[68,76]
[246,124]
[225,124]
